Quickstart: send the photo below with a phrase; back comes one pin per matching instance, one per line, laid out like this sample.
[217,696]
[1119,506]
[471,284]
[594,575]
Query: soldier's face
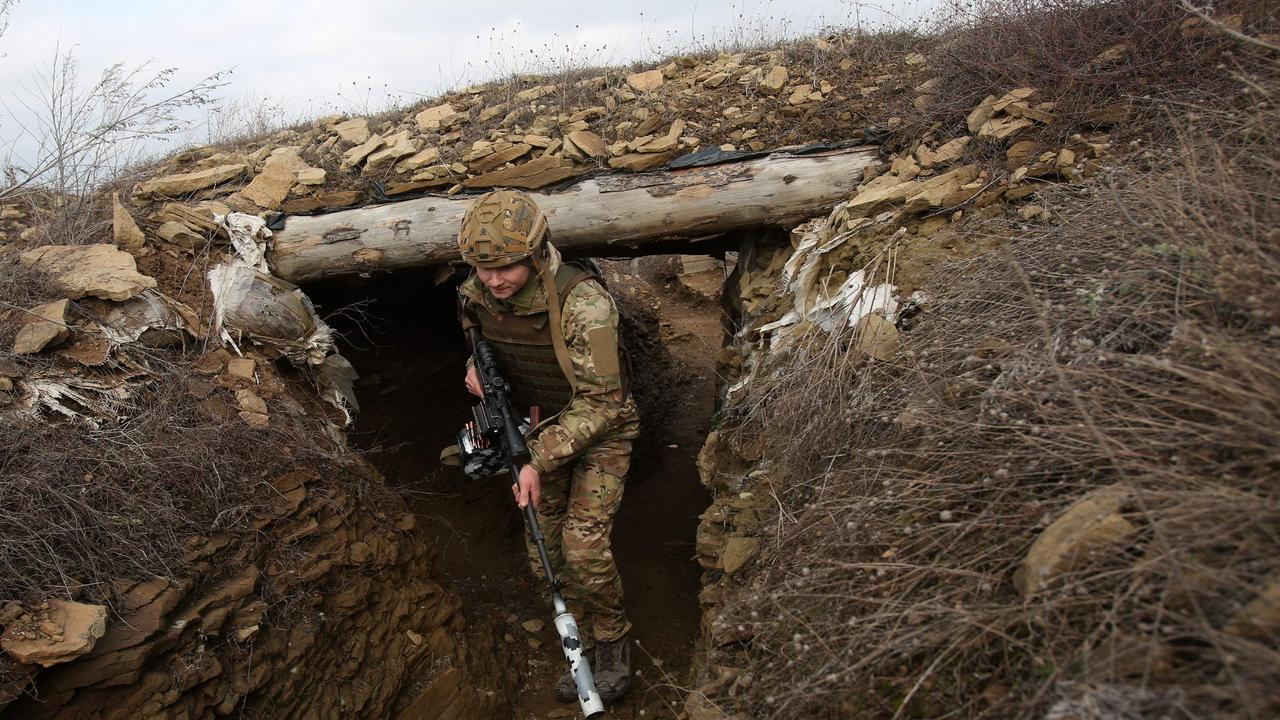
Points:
[506,281]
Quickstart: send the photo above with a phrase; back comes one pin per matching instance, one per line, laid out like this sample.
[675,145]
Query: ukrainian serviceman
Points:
[555,330]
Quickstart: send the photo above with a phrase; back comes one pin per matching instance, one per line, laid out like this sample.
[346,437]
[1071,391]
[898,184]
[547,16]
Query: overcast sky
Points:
[312,57]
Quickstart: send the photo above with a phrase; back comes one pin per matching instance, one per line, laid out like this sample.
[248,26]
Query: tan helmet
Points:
[500,228]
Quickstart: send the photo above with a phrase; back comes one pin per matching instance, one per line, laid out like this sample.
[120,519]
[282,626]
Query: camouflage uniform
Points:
[584,453]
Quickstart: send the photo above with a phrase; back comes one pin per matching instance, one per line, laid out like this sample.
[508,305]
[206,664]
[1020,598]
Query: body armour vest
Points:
[524,347]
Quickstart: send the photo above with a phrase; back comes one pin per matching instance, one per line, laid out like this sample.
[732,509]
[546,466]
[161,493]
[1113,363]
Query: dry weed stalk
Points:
[1131,342]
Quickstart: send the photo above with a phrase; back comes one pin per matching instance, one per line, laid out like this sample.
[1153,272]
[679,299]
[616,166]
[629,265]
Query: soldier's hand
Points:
[473,382]
[529,488]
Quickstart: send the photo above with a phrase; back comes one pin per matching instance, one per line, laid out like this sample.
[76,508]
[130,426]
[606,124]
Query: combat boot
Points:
[612,669]
[566,690]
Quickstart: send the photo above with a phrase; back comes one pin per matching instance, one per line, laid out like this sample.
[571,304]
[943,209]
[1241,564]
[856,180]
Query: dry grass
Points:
[1082,55]
[1133,341]
[81,506]
[20,289]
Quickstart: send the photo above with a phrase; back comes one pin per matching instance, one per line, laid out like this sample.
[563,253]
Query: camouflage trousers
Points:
[576,517]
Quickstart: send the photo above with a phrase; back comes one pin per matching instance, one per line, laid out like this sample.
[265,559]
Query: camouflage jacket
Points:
[602,407]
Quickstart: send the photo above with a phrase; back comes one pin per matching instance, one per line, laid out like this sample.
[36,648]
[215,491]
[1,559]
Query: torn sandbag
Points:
[806,275]
[817,293]
[152,318]
[269,311]
[337,377]
[251,304]
[249,236]
[85,399]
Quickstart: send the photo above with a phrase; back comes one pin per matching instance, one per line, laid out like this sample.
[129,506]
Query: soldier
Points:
[555,330]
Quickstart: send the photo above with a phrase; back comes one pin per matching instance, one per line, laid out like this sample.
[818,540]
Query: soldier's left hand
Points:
[529,488]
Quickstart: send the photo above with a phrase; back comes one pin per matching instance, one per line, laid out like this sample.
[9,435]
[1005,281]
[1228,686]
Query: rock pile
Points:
[530,133]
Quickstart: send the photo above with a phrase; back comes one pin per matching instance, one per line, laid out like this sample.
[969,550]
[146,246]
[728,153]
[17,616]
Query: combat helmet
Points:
[501,228]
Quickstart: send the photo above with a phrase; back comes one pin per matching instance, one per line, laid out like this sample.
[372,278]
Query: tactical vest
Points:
[524,347]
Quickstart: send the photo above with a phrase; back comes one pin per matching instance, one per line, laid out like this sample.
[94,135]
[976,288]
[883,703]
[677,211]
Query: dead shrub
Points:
[1081,55]
[20,289]
[82,505]
[1133,342]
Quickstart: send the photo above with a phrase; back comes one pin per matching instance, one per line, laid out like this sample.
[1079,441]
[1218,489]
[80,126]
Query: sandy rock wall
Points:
[327,612]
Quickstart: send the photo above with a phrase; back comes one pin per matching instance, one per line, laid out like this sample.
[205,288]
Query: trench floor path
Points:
[412,402]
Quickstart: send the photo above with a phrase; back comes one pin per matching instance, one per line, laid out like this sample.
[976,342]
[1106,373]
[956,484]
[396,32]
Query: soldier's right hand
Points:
[473,382]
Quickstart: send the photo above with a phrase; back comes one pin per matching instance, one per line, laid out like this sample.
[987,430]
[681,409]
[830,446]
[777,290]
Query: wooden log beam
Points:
[598,213]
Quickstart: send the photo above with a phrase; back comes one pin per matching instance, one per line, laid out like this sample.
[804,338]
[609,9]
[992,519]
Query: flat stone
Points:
[270,187]
[242,368]
[101,271]
[357,154]
[536,173]
[946,153]
[647,81]
[422,158]
[492,112]
[289,158]
[934,191]
[876,337]
[648,125]
[311,177]
[1012,97]
[533,626]
[595,111]
[981,114]
[78,627]
[534,93]
[197,217]
[124,231]
[179,233]
[249,401]
[434,118]
[49,327]
[667,142]
[501,157]
[354,131]
[400,188]
[1000,128]
[1023,151]
[589,143]
[398,146]
[776,79]
[737,551]
[715,80]
[1092,526]
[186,183]
[639,162]
[801,95]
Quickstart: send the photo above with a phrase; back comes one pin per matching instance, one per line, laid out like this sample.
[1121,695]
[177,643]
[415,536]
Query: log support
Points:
[610,214]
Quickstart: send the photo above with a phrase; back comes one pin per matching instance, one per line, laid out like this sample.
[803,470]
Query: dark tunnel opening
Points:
[401,333]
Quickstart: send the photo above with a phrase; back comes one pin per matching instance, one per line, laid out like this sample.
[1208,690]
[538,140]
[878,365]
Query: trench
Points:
[401,333]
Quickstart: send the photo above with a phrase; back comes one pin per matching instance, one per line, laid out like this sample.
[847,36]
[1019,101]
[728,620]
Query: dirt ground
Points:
[408,349]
